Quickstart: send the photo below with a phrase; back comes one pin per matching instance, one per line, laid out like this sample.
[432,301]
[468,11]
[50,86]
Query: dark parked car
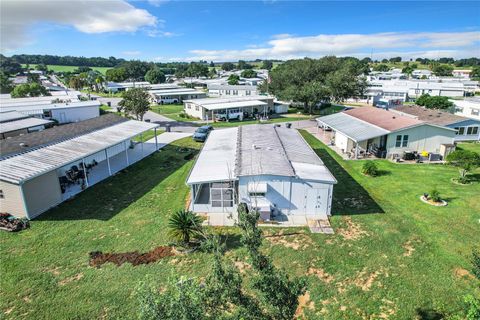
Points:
[201,133]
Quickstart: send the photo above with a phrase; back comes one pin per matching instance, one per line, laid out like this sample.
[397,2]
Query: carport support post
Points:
[356,150]
[126,152]
[156,141]
[108,162]
[85,172]
[141,139]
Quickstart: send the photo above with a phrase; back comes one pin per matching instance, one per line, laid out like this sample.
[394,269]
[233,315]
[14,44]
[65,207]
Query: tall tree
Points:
[135,101]
[6,85]
[233,79]
[249,73]
[155,76]
[116,74]
[267,64]
[29,90]
[228,66]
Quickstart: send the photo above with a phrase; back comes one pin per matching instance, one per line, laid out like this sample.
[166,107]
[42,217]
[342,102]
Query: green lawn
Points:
[57,68]
[472,146]
[171,111]
[392,256]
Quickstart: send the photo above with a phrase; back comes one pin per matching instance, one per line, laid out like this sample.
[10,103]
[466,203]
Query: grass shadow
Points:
[428,314]
[109,197]
[381,173]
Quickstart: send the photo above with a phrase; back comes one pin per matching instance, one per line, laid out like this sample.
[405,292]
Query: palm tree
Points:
[184,225]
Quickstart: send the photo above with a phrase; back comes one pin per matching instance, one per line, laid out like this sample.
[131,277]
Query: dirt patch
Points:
[387,310]
[242,266]
[55,271]
[321,274]
[70,279]
[463,273]
[304,302]
[296,240]
[9,310]
[353,230]
[409,247]
[98,258]
[365,280]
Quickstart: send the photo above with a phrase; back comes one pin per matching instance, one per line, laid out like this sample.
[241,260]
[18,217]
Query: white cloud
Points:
[157,3]
[156,33]
[284,46]
[131,53]
[17,16]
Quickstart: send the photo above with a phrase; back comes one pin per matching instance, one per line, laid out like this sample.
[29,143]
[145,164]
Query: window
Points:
[475,112]
[197,108]
[398,142]
[47,113]
[2,196]
[461,130]
[401,141]
[405,141]
[472,130]
[221,194]
[456,129]
[247,93]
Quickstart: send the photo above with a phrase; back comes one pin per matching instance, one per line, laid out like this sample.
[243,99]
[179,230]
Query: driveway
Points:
[175,126]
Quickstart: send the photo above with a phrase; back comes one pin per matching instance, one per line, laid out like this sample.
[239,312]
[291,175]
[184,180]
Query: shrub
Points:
[476,263]
[473,307]
[184,225]
[370,168]
[435,195]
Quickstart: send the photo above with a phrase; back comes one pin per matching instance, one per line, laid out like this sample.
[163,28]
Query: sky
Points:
[164,31]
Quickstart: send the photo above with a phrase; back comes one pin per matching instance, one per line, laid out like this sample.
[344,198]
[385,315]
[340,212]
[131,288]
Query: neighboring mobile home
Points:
[13,123]
[209,108]
[466,129]
[367,131]
[270,168]
[220,90]
[42,169]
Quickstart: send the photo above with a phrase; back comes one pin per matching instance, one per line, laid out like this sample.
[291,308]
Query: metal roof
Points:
[236,104]
[23,107]
[260,149]
[260,152]
[25,166]
[207,101]
[175,92]
[12,115]
[216,161]
[22,124]
[354,128]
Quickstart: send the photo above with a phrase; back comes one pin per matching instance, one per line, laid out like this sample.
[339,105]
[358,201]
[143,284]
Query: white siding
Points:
[75,114]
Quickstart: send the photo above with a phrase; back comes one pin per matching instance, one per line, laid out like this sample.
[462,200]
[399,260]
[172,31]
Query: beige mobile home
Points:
[42,169]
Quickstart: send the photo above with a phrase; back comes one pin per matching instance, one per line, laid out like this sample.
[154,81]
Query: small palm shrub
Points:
[370,168]
[184,225]
[435,195]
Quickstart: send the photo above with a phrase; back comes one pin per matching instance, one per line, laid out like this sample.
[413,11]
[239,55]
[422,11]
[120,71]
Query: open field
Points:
[392,256]
[57,68]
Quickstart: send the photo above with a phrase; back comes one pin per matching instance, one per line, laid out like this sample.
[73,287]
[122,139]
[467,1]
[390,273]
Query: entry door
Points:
[316,202]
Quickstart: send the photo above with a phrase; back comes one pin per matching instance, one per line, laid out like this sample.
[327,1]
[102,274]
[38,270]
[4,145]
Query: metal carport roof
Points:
[22,167]
[355,129]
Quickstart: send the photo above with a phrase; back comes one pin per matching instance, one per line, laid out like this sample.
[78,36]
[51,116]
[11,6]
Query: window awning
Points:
[257,187]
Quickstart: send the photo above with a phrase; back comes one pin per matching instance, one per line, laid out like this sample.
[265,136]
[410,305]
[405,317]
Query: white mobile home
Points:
[270,168]
[40,170]
[248,106]
[14,123]
[60,112]
[219,90]
[177,95]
